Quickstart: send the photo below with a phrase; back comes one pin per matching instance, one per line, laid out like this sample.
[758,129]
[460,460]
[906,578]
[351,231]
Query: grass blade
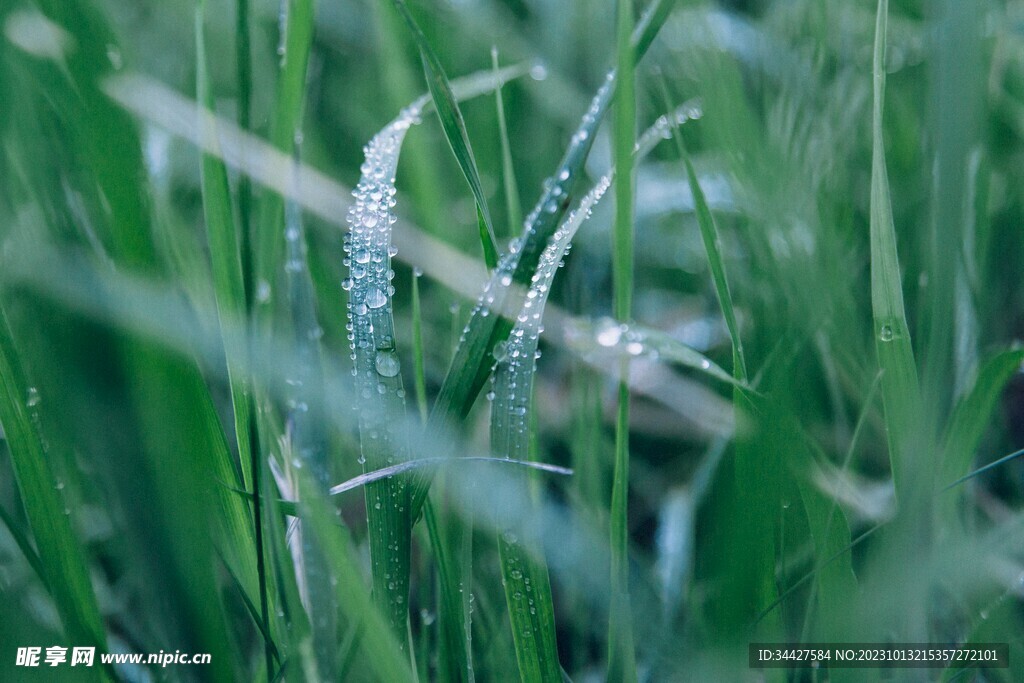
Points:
[291,88]
[473,359]
[524,572]
[513,212]
[900,389]
[454,126]
[621,653]
[64,566]
[377,370]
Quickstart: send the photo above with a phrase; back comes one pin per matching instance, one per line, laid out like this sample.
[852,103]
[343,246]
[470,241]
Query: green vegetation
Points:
[769,388]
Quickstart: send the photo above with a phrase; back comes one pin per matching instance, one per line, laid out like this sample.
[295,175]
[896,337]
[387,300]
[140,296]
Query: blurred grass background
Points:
[119,405]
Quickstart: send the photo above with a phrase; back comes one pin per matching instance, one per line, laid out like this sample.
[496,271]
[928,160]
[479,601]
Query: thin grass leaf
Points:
[364,479]
[981,470]
[473,359]
[513,210]
[454,127]
[713,247]
[63,563]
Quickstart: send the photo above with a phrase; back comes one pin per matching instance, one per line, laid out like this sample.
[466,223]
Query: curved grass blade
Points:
[364,479]
[607,340]
[524,572]
[62,562]
[377,369]
[454,126]
[472,362]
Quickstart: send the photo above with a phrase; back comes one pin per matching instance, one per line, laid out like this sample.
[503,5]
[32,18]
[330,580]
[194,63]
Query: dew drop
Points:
[33,397]
[886,333]
[376,298]
[387,364]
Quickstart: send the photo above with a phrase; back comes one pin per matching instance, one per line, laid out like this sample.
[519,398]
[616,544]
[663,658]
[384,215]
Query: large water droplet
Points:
[376,298]
[886,333]
[387,363]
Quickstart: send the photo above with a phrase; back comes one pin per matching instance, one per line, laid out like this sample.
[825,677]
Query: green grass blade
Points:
[713,246]
[223,239]
[524,572]
[900,388]
[621,653]
[286,120]
[377,370]
[454,126]
[513,210]
[63,563]
[473,359]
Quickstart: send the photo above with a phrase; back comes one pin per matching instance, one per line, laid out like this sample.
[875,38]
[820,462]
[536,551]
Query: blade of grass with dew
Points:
[607,339]
[473,359]
[454,127]
[513,210]
[900,387]
[63,564]
[377,370]
[909,453]
[524,571]
[230,294]
[621,652]
[296,41]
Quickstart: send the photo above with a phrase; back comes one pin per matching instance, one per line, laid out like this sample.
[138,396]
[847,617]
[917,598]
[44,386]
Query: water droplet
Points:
[609,333]
[33,397]
[387,364]
[361,256]
[500,351]
[263,292]
[886,333]
[376,298]
[538,72]
[370,220]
